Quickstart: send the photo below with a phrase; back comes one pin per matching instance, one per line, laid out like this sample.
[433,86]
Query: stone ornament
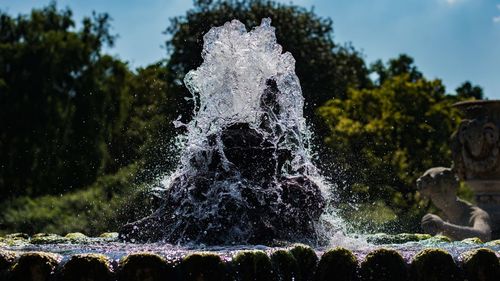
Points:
[460,219]
[475,148]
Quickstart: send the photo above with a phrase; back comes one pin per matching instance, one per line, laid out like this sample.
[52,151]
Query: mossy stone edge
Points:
[299,261]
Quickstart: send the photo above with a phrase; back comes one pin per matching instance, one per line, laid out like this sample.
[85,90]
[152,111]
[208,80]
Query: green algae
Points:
[14,240]
[307,260]
[47,238]
[285,266]
[473,241]
[383,238]
[17,236]
[252,265]
[109,236]
[75,236]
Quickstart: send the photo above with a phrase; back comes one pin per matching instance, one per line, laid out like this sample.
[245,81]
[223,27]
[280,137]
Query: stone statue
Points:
[475,148]
[461,219]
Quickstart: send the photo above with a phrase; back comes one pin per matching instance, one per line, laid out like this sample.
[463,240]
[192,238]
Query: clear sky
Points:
[455,40]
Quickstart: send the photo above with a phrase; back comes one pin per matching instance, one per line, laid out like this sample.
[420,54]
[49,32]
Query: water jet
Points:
[246,174]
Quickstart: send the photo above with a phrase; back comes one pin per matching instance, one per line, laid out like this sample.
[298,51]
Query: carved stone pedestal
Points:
[476,157]
[487,193]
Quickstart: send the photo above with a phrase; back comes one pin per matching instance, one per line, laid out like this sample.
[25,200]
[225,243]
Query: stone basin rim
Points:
[464,104]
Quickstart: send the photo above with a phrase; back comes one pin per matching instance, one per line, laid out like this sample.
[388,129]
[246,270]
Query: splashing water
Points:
[246,174]
[233,82]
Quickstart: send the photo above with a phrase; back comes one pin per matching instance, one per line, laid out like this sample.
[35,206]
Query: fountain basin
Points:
[76,257]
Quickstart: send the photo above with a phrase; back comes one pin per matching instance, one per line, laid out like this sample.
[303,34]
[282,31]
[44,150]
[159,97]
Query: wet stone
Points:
[474,240]
[144,266]
[7,259]
[307,261]
[17,236]
[87,267]
[434,265]
[252,265]
[383,238]
[35,266]
[481,265]
[203,266]
[111,236]
[48,238]
[337,264]
[285,266]
[383,265]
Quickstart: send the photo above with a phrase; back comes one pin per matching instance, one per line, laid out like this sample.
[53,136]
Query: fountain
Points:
[245,178]
[245,174]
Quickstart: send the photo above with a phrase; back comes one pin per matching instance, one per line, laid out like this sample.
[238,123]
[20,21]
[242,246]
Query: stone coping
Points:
[476,102]
[296,262]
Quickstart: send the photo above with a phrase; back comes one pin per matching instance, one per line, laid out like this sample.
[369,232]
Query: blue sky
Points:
[454,40]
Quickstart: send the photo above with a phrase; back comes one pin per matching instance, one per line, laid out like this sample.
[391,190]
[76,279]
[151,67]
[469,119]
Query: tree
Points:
[62,101]
[147,135]
[403,64]
[467,91]
[387,136]
[325,69]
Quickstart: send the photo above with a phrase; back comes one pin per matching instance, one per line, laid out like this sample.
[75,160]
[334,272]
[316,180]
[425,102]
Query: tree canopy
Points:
[387,136]
[62,101]
[325,68]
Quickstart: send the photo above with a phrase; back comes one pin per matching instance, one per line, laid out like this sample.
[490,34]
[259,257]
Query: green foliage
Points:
[434,265]
[325,69]
[372,217]
[147,129]
[252,265]
[404,64]
[481,265]
[308,261]
[203,266]
[337,264]
[114,199]
[94,267]
[467,91]
[384,265]
[285,266]
[62,102]
[387,136]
